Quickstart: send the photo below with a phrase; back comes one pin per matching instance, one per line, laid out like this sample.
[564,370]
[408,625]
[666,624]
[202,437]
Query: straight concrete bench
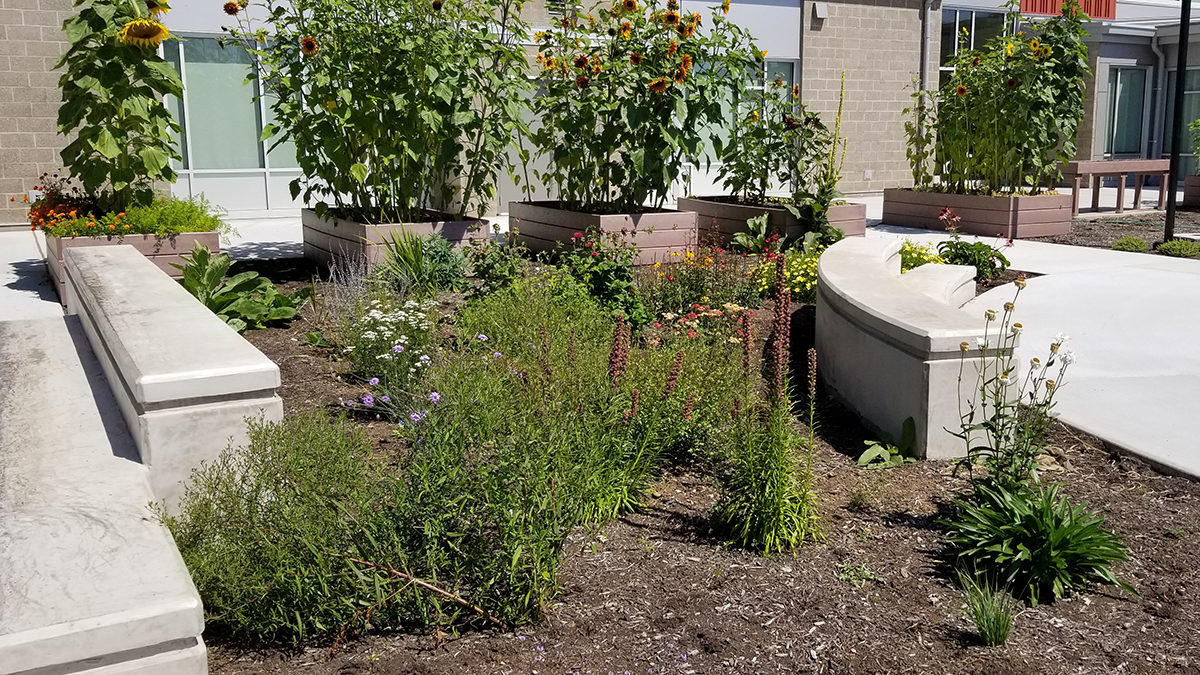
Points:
[888,344]
[185,381]
[90,582]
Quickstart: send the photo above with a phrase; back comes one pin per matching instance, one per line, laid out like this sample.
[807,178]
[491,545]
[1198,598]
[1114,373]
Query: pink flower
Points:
[577,235]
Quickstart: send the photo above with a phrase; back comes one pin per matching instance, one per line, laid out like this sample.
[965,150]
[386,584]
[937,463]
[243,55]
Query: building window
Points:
[1191,111]
[1126,111]
[980,27]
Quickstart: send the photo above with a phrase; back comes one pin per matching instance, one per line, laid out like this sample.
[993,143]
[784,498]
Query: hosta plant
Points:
[244,300]
[630,94]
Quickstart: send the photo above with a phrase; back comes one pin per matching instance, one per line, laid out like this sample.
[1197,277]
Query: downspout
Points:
[924,69]
[1160,85]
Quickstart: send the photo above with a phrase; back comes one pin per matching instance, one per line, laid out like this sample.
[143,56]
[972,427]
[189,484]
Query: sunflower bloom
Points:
[626,29]
[961,90]
[144,33]
[630,5]
[686,63]
[659,85]
[581,61]
[671,17]
[680,76]
[672,48]
[635,58]
[725,6]
[157,7]
[231,8]
[1008,49]
[1035,46]
[308,45]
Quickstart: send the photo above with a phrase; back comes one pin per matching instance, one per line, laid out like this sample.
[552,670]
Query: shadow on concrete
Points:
[265,250]
[33,279]
[115,428]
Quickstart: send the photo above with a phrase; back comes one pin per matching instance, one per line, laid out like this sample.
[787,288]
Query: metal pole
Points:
[1185,17]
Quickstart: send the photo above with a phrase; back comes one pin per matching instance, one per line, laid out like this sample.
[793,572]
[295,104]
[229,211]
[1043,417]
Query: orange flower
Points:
[671,17]
[581,61]
[725,6]
[308,45]
[680,76]
[626,29]
[630,5]
[231,8]
[687,63]
[961,90]
[112,227]
[635,59]
[672,48]
[659,85]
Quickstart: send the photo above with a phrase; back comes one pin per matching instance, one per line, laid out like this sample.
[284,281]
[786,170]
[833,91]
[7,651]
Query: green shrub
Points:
[389,344]
[1135,244]
[244,300]
[987,260]
[603,264]
[1179,248]
[1032,542]
[497,265]
[421,266]
[914,255]
[990,608]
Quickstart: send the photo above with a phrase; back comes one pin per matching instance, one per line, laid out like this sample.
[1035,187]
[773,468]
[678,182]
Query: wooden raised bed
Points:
[719,218]
[1009,217]
[162,251]
[330,238]
[1191,191]
[541,226]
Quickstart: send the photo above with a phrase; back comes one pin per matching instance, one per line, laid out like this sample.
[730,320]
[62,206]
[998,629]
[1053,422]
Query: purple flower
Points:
[541,648]
[368,400]
[398,348]
[435,397]
[497,354]
[481,337]
[373,381]
[415,418]
[521,638]
[425,358]
[538,657]
[350,404]
[385,399]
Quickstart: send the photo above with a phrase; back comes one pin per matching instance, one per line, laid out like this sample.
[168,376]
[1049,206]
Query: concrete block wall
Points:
[31,41]
[878,43]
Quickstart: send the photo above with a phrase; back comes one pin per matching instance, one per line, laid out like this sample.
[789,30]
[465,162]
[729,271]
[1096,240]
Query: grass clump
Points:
[1179,248]
[1133,244]
[421,265]
[990,608]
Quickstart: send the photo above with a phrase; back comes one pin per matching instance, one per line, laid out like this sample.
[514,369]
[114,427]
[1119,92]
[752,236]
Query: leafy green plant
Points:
[497,264]
[603,264]
[884,455]
[815,193]
[1178,248]
[857,575]
[407,106]
[757,237]
[1032,542]
[421,265]
[991,608]
[244,300]
[1134,244]
[112,85]
[913,255]
[987,260]
[1005,121]
[630,94]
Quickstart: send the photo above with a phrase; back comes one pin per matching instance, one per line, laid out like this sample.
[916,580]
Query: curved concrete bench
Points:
[888,344]
[185,381]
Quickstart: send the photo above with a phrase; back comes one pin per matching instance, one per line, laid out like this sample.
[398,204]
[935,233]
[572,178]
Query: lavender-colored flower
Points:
[368,400]
[497,355]
[373,381]
[425,358]
[415,418]
[481,337]
[435,397]
[538,657]
[541,648]
[398,348]
[385,399]
[350,404]
[521,638]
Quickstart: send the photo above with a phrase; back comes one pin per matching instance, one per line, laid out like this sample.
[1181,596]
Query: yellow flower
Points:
[157,7]
[1035,46]
[659,85]
[143,33]
[1008,49]
[658,264]
[725,6]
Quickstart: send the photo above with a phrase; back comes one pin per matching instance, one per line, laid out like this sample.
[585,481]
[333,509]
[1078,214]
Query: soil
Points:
[1104,232]
[656,592]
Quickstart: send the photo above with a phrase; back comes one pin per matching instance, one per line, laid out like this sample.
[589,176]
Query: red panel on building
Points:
[1097,9]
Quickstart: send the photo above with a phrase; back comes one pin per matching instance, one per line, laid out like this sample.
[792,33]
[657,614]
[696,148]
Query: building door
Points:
[1125,134]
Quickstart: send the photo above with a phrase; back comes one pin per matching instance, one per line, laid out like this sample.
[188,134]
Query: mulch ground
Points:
[1104,232]
[656,592]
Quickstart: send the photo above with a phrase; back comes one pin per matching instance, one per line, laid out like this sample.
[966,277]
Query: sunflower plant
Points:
[112,88]
[630,94]
[400,110]
[1006,120]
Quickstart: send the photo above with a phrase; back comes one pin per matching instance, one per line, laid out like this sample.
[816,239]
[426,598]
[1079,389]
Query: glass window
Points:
[987,26]
[1126,105]
[175,106]
[1191,111]
[223,116]
[282,156]
[949,39]
[780,70]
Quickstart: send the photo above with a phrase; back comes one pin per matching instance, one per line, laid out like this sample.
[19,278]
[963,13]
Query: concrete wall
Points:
[30,44]
[878,43]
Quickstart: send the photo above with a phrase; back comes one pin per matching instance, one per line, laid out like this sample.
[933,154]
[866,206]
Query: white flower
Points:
[1069,357]
[1062,338]
[990,315]
[980,343]
[1005,380]
[1017,328]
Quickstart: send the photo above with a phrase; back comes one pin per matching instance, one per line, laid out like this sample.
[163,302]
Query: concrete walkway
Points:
[26,290]
[1133,325]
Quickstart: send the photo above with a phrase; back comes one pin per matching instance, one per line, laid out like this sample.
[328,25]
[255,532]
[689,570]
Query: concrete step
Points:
[88,578]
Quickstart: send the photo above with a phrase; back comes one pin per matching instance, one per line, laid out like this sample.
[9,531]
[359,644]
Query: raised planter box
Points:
[1191,191]
[541,226]
[162,251]
[330,238]
[1013,217]
[719,218]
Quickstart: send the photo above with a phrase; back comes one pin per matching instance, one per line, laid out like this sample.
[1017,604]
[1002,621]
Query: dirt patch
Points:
[1104,232]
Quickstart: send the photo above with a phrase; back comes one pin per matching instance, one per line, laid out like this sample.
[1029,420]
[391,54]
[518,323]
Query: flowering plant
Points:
[1007,116]
[64,211]
[712,276]
[603,265]
[394,106]
[629,96]
[112,86]
[388,345]
[699,321]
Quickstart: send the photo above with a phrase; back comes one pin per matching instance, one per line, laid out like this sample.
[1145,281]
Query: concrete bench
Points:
[185,381]
[888,345]
[90,582]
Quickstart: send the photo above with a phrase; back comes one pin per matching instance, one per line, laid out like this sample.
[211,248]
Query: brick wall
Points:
[878,43]
[30,43]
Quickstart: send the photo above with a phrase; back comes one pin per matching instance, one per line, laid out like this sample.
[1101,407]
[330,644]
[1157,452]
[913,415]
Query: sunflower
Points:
[753,117]
[1035,46]
[725,6]
[630,5]
[673,4]
[549,64]
[437,5]
[581,81]
[695,18]
[672,47]
[1011,83]
[1008,49]
[540,35]
[975,62]
[762,55]
[659,85]
[686,61]
[1045,50]
[596,69]
[961,90]
[144,33]
[671,17]
[626,29]
[157,7]
[232,8]
[635,58]
[680,76]
[308,45]
[686,30]
[795,91]
[581,61]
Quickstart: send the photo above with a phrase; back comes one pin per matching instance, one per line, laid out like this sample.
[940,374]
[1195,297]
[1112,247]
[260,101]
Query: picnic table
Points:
[1099,168]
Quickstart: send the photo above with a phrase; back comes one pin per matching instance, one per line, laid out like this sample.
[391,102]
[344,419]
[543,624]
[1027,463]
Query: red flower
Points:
[577,235]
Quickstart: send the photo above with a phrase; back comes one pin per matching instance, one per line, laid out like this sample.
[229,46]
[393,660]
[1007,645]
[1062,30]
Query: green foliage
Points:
[387,343]
[166,217]
[393,107]
[813,196]
[1194,128]
[884,455]
[913,255]
[112,86]
[987,260]
[243,301]
[757,238]
[495,264]
[713,278]
[1179,248]
[1032,542]
[991,608]
[603,265]
[1006,119]
[630,96]
[421,265]
[857,575]
[1134,244]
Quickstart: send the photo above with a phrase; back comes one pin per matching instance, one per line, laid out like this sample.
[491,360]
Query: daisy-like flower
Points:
[581,61]
[1050,384]
[398,349]
[960,90]
[626,29]
[144,33]
[434,397]
[685,63]
[680,76]
[1008,306]
[308,45]
[659,85]
[671,17]
[635,58]
[157,7]
[1005,380]
[368,400]
[1017,328]
[581,82]
[1062,338]
[481,337]
[1008,49]
[990,315]
[1035,46]
[672,47]
[980,343]
[1069,357]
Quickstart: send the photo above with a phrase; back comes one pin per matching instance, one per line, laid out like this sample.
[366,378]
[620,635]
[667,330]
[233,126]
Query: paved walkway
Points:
[1134,326]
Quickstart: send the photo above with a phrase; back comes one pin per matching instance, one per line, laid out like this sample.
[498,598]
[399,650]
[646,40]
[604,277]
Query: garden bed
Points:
[326,239]
[1104,232]
[720,218]
[1009,217]
[542,226]
[655,591]
[162,251]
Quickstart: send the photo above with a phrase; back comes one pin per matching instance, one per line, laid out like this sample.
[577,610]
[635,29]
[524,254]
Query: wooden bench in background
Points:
[1121,168]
